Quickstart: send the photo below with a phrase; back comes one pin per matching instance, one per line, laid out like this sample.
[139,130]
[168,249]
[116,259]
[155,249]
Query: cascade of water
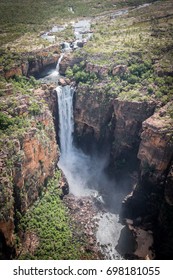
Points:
[65,106]
[59,61]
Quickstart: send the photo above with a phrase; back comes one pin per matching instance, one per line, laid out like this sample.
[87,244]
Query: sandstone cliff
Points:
[150,205]
[93,114]
[28,156]
[101,116]
[156,147]
[31,63]
[129,116]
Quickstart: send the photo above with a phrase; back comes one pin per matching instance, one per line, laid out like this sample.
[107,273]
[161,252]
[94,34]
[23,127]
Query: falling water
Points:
[65,106]
[58,63]
[73,162]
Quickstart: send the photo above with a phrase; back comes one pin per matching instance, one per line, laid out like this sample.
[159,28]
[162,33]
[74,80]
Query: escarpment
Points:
[101,117]
[31,63]
[156,147]
[93,115]
[151,201]
[129,116]
[133,130]
[29,155]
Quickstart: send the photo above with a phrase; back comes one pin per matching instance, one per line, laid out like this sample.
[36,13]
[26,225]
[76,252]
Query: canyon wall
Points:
[134,129]
[150,204]
[28,159]
[101,117]
[32,63]
[93,111]
[129,116]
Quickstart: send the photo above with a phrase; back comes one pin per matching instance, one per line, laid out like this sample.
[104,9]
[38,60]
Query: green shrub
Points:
[132,79]
[139,69]
[150,90]
[34,109]
[69,73]
[5,121]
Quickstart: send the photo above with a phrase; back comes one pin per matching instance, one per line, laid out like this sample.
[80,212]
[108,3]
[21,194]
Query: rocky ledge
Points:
[32,63]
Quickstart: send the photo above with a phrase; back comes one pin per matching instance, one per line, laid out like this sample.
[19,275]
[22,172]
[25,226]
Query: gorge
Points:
[101,116]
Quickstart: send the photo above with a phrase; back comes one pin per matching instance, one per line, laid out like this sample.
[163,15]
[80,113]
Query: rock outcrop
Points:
[93,114]
[156,147]
[101,71]
[68,60]
[129,116]
[32,63]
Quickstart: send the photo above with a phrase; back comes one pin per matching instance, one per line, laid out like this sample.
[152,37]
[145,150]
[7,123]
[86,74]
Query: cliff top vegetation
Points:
[21,17]
[133,53]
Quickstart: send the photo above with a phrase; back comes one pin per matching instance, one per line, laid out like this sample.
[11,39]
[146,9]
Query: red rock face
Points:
[34,62]
[156,147]
[101,115]
[27,161]
[129,116]
[152,200]
[38,156]
[93,111]
[7,229]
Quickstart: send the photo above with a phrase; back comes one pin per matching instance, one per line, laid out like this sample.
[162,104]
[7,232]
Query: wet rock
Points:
[62,82]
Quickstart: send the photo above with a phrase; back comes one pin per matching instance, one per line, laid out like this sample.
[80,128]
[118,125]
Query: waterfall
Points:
[73,162]
[86,177]
[59,61]
[65,106]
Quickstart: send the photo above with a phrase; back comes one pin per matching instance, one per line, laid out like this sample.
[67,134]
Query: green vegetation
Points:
[23,84]
[141,42]
[5,121]
[79,74]
[170,110]
[48,219]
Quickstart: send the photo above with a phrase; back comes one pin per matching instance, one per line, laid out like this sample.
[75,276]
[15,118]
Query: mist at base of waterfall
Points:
[84,173]
[86,176]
